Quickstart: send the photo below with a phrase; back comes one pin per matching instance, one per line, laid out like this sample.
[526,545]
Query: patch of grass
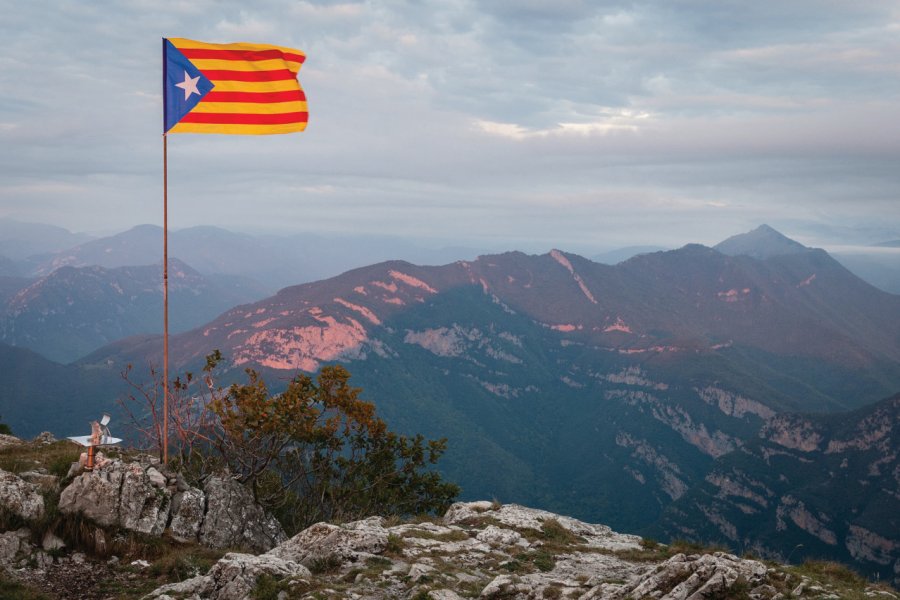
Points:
[325,564]
[378,562]
[552,592]
[395,545]
[544,561]
[273,588]
[649,544]
[513,565]
[840,579]
[10,588]
[831,572]
[539,559]
[29,457]
[183,562]
[426,518]
[553,531]
[482,522]
[739,590]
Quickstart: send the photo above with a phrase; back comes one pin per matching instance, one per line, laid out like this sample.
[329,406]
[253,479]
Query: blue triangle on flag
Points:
[178,70]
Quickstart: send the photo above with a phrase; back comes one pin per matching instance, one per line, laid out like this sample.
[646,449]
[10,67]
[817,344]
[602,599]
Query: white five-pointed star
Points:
[189,85]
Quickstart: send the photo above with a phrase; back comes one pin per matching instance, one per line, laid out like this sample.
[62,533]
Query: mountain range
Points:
[75,310]
[269,261]
[615,393]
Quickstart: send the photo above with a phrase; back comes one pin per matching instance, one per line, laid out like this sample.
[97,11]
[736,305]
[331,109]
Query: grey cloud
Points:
[444,119]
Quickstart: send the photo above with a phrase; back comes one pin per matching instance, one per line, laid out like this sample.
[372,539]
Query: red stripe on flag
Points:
[260,97]
[245,119]
[274,75]
[247,55]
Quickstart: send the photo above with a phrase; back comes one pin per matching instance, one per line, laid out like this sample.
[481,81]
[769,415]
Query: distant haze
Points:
[538,124]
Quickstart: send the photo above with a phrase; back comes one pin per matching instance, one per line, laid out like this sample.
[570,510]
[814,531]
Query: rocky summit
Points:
[133,528]
[487,550]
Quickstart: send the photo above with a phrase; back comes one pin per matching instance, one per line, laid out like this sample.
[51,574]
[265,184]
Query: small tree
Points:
[315,452]
[318,452]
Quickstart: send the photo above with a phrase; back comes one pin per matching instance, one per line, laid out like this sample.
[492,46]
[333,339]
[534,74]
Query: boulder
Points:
[347,543]
[233,577]
[234,520]
[12,543]
[19,497]
[97,494]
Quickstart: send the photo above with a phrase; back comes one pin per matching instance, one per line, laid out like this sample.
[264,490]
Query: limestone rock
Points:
[142,506]
[347,543]
[42,480]
[45,437]
[12,543]
[498,536]
[233,519]
[51,542]
[94,494]
[7,440]
[156,478]
[443,595]
[233,577]
[471,555]
[521,517]
[187,515]
[118,494]
[688,577]
[20,497]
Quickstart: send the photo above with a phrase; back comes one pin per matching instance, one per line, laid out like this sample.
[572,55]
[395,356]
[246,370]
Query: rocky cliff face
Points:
[145,497]
[807,486]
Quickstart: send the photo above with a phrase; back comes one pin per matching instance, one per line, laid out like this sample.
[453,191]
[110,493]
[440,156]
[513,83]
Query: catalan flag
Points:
[248,89]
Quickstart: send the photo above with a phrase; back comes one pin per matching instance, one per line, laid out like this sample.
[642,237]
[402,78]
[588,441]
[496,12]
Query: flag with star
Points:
[248,89]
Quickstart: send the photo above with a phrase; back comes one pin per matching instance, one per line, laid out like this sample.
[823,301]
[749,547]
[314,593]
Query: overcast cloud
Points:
[513,123]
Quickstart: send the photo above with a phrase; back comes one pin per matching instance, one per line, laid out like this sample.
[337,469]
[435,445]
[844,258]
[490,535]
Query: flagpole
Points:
[165,430]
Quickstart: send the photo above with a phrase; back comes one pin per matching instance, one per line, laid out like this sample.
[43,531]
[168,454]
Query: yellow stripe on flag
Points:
[245,65]
[258,108]
[286,85]
[237,129]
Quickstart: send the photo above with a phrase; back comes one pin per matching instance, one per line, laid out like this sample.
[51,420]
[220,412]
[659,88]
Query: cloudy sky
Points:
[512,123]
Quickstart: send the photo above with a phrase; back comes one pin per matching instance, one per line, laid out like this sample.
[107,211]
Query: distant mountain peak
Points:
[763,242]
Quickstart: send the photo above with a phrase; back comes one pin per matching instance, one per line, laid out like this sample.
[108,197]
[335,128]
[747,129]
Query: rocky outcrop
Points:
[145,498]
[20,498]
[118,494]
[489,551]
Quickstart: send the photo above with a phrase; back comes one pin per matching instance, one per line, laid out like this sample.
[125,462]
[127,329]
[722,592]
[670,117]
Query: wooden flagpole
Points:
[165,427]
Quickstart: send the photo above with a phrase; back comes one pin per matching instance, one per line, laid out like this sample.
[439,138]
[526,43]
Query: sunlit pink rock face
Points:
[334,329]
[303,348]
